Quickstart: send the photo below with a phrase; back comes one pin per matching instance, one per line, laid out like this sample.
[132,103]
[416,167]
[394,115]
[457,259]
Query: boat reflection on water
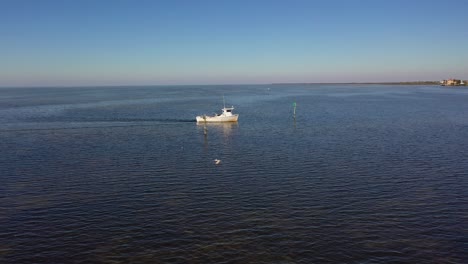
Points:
[226,128]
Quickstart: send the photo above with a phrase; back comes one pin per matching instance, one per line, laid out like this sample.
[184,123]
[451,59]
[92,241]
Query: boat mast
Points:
[224,103]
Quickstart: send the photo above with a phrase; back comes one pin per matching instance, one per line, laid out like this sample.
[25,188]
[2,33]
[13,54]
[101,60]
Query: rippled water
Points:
[365,174]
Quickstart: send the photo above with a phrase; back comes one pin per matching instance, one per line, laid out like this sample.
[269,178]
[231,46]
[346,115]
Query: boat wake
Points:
[133,120]
[91,123]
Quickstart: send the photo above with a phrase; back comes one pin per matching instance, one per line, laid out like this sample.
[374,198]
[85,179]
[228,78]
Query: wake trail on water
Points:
[165,120]
[94,123]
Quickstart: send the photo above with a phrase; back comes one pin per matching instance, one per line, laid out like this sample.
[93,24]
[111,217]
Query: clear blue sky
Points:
[99,42]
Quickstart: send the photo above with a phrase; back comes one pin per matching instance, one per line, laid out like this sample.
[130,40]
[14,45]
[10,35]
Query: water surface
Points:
[364,174]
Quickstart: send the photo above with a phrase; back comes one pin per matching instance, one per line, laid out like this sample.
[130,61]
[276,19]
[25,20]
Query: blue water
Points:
[364,174]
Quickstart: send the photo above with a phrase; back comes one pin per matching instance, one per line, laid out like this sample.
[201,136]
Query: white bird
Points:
[217,161]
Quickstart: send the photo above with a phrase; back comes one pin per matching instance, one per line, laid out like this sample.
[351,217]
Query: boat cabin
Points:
[227,111]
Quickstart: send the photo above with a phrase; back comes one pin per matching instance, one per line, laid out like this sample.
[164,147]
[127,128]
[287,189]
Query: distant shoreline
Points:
[438,83]
[378,83]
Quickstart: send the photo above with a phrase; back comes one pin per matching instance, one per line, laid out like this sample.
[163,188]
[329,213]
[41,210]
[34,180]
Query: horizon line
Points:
[219,84]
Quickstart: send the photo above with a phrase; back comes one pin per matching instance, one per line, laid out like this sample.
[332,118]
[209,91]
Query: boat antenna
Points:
[224,103]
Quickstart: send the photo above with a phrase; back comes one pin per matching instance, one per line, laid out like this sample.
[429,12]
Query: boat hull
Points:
[217,119]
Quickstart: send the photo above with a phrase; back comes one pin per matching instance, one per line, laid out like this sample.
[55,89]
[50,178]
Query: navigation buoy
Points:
[294,114]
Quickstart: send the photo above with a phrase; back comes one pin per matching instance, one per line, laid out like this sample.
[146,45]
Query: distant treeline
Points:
[410,83]
[464,83]
[380,83]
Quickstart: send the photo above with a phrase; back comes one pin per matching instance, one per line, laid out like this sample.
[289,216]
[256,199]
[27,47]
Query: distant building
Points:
[452,82]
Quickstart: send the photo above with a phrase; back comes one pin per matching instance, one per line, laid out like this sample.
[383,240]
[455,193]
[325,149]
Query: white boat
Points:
[225,116]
